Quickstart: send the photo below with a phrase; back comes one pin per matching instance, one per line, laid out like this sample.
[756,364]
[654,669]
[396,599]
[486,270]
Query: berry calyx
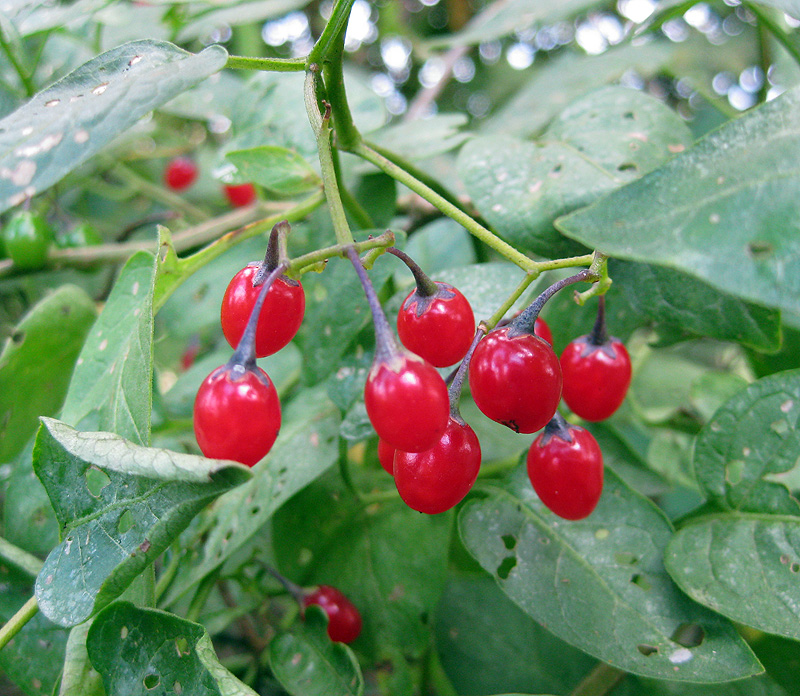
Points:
[597,372]
[437,479]
[180,173]
[344,620]
[565,467]
[27,238]
[240,195]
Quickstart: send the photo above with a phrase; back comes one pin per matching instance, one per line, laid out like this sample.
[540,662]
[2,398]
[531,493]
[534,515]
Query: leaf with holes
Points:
[600,583]
[705,199]
[306,446]
[277,169]
[744,566]
[119,505]
[139,652]
[69,122]
[111,386]
[307,663]
[597,144]
[37,360]
[751,446]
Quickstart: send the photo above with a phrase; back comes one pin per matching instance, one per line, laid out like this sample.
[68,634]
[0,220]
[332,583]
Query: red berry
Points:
[438,478]
[439,328]
[565,467]
[542,330]
[407,402]
[515,379]
[240,195]
[596,377]
[237,414]
[344,621]
[281,314]
[180,173]
[386,456]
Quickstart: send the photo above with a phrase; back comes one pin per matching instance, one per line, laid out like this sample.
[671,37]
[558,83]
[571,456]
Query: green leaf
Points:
[147,651]
[277,169]
[63,126]
[112,383]
[441,134]
[597,144]
[78,678]
[204,23]
[704,199]
[684,304]
[744,566]
[567,77]
[119,505]
[389,560]
[600,583]
[746,453]
[306,446]
[37,361]
[307,663]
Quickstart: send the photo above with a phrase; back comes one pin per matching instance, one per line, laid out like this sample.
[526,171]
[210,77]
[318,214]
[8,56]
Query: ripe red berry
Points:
[439,327]
[565,466]
[237,414]
[240,195]
[542,330]
[180,173]
[344,621]
[407,402]
[280,317]
[386,456]
[515,379]
[596,377]
[438,478]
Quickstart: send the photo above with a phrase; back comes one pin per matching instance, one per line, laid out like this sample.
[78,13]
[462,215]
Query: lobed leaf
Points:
[600,583]
[69,122]
[118,505]
[146,651]
[307,663]
[744,566]
[746,454]
[705,199]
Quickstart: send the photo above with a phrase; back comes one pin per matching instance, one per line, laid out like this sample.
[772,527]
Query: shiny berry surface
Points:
[542,330]
[515,380]
[438,478]
[386,456]
[596,377]
[180,173]
[407,402]
[567,475]
[439,328]
[281,313]
[344,621]
[240,195]
[237,415]
[27,238]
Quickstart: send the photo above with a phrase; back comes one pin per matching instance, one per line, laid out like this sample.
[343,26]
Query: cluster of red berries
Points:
[181,172]
[237,413]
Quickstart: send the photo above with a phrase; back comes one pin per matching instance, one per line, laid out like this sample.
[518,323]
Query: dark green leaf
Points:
[600,583]
[277,169]
[37,361]
[597,144]
[744,566]
[306,446]
[308,663]
[761,685]
[356,425]
[139,652]
[441,134]
[748,453]
[67,123]
[119,505]
[705,199]
[78,678]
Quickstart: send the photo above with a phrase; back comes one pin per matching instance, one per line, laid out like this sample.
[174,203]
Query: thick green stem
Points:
[313,258]
[19,558]
[445,206]
[335,27]
[347,135]
[510,300]
[16,623]
[269,64]
[602,680]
